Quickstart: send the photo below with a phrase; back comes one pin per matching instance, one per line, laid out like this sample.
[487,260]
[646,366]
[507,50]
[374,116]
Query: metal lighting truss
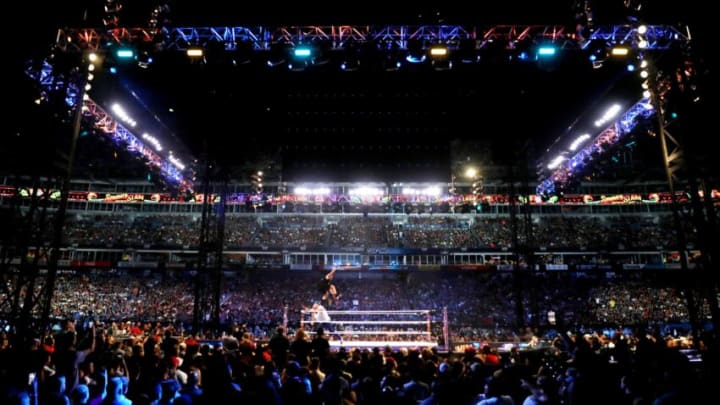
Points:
[262,38]
[105,123]
[123,137]
[573,165]
[388,37]
[656,37]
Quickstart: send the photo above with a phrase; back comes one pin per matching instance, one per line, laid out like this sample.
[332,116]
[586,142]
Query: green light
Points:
[302,52]
[546,51]
[125,53]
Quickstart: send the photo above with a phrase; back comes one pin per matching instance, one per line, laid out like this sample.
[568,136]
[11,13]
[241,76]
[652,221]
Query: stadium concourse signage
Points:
[465,267]
[85,263]
[242,198]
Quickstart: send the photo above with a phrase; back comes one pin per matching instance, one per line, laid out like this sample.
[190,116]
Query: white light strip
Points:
[362,191]
[305,190]
[429,191]
[609,114]
[556,162]
[123,115]
[151,139]
[580,139]
[176,162]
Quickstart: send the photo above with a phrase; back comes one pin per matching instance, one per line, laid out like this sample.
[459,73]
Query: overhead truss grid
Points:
[340,36]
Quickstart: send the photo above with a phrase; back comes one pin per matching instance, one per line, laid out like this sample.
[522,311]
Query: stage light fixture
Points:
[302,52]
[278,54]
[350,64]
[144,60]
[415,51]
[301,58]
[124,53]
[256,179]
[440,57]
[195,52]
[112,9]
[620,51]
[439,51]
[546,51]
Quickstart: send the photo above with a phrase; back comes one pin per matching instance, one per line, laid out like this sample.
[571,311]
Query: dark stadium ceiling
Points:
[331,122]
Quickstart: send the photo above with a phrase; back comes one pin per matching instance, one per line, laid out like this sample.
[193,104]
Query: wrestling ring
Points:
[370,329]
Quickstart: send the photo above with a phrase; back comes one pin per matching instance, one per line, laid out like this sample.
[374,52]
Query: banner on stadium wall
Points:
[584,267]
[468,267]
[137,265]
[91,263]
[245,198]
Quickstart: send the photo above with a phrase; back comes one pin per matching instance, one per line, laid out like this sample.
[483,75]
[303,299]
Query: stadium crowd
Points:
[565,232]
[481,306]
[122,335]
[122,338]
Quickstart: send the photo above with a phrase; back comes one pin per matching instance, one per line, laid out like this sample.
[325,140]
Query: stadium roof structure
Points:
[385,123]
